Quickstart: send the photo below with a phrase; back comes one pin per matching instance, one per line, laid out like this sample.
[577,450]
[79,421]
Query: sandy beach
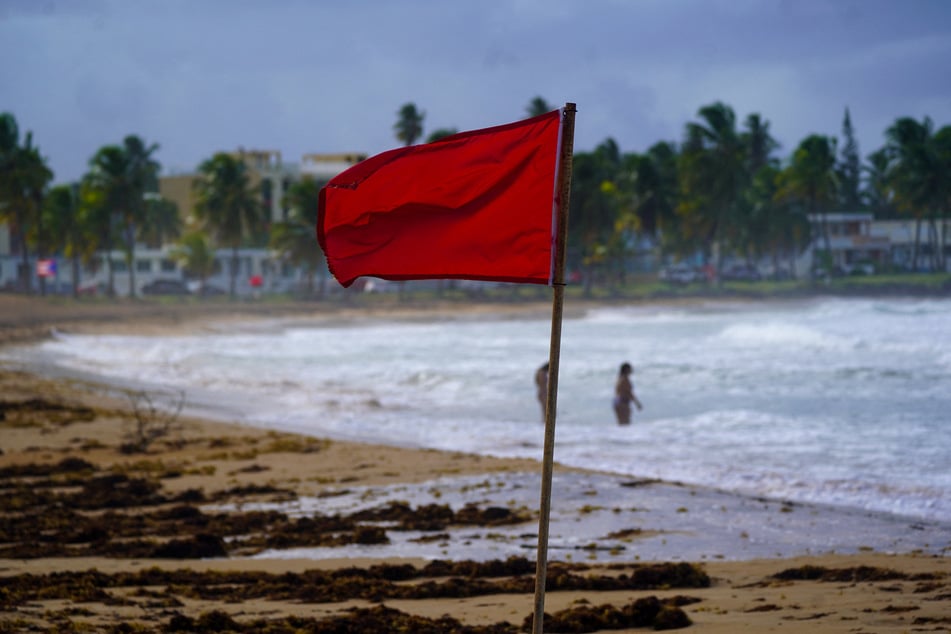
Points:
[117,516]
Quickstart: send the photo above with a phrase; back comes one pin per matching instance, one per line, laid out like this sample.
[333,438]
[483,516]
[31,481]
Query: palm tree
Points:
[161,221]
[295,238]
[196,257]
[760,144]
[65,225]
[777,227]
[108,194]
[441,133]
[227,205]
[713,176]
[595,207]
[654,187]
[142,175]
[877,193]
[942,144]
[810,182]
[24,175]
[755,209]
[622,223]
[918,177]
[653,182]
[409,126]
[123,175]
[538,106]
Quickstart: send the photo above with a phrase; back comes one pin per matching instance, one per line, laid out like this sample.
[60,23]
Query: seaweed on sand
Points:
[375,583]
[644,612]
[71,508]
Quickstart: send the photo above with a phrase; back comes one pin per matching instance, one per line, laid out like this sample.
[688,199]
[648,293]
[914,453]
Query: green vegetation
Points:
[228,206]
[720,192]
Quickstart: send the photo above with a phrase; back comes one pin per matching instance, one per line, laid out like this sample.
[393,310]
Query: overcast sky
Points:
[301,76]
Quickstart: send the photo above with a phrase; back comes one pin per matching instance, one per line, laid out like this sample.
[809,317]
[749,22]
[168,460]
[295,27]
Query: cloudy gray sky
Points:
[299,76]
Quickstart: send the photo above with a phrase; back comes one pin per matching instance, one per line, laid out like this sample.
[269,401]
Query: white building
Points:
[902,236]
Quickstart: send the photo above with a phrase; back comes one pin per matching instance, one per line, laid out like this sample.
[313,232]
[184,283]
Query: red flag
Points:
[476,205]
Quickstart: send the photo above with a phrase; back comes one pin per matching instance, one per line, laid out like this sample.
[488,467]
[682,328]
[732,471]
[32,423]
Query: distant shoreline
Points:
[26,318]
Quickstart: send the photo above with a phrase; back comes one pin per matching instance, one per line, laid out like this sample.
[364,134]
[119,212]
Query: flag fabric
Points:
[476,205]
[46,268]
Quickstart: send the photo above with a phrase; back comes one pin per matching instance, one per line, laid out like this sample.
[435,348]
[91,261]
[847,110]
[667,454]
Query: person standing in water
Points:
[541,386]
[624,395]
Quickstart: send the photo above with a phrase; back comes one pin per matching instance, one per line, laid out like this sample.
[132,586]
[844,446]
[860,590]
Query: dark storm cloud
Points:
[300,77]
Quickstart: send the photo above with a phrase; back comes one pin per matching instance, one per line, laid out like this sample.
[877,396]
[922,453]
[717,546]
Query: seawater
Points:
[839,401]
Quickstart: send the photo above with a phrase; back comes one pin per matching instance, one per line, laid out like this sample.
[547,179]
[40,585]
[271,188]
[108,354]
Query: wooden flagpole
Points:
[554,356]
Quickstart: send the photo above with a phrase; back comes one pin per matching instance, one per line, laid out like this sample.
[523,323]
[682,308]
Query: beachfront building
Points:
[906,236]
[859,244]
[272,177]
[844,243]
[268,173]
[259,269]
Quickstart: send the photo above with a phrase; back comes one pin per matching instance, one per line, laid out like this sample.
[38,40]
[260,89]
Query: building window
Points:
[119,266]
[143,266]
[167,266]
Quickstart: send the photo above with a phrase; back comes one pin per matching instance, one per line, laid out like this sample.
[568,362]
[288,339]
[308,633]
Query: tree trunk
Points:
[914,250]
[130,256]
[130,262]
[75,274]
[933,239]
[111,290]
[944,242]
[27,281]
[234,272]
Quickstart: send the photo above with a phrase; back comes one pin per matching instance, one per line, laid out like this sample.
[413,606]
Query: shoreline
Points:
[191,319]
[26,319]
[604,522]
[208,405]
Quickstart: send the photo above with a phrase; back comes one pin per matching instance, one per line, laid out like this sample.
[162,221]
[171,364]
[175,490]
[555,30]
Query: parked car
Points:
[680,274]
[741,273]
[92,289]
[859,268]
[373,285]
[781,274]
[165,287]
[210,290]
[195,287]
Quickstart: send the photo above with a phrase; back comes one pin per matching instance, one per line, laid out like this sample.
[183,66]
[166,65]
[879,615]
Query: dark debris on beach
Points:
[169,589]
[73,508]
